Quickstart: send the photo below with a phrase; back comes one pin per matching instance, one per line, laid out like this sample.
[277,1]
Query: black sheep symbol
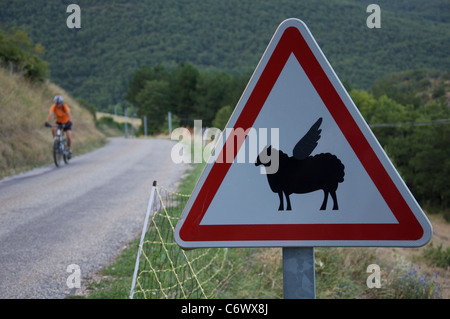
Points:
[303,173]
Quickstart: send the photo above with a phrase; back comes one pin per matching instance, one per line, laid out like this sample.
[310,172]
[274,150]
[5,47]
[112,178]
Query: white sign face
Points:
[330,184]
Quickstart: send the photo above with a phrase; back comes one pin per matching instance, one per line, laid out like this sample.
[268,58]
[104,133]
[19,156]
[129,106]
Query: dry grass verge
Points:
[24,141]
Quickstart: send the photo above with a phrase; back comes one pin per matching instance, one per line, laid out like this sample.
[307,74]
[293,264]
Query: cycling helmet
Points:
[58,99]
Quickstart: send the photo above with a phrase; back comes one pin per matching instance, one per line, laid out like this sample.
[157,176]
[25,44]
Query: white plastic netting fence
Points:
[163,269]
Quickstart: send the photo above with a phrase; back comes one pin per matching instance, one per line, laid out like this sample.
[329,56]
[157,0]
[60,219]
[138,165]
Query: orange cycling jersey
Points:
[61,113]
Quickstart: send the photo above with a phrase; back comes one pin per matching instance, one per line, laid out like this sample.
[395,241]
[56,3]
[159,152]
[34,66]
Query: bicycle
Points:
[60,148]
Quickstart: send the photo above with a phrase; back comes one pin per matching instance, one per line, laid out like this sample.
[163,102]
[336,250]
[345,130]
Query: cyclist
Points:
[63,116]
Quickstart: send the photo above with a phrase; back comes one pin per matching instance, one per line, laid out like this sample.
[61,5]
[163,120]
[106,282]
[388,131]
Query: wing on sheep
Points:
[308,143]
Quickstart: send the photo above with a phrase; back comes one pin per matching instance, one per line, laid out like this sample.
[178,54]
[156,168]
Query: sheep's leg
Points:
[325,199]
[280,195]
[288,200]
[335,203]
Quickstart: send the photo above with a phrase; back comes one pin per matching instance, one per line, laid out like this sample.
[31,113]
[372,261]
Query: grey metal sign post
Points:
[298,273]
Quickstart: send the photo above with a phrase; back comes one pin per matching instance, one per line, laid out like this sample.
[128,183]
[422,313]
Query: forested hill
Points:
[117,37]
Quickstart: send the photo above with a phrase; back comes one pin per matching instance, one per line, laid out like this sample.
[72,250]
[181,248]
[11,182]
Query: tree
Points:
[16,48]
[222,117]
[212,93]
[419,152]
[140,77]
[183,90]
[153,100]
[365,102]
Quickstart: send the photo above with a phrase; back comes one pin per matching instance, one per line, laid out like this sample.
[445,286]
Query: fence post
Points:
[145,125]
[126,122]
[147,216]
[170,123]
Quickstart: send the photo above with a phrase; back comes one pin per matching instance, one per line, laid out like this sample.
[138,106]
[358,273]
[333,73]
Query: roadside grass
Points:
[258,273]
[437,256]
[109,127]
[114,281]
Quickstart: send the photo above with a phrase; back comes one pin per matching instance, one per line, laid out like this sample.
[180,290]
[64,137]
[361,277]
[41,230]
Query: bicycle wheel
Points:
[65,151]
[56,153]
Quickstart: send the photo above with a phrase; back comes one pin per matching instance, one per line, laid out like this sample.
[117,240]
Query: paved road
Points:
[83,213]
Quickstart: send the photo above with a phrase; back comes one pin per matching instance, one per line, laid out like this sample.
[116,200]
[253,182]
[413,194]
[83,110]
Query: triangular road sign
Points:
[347,192]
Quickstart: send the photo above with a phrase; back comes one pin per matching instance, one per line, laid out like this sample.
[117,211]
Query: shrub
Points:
[437,256]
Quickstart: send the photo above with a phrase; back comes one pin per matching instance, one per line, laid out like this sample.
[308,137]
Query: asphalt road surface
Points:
[80,214]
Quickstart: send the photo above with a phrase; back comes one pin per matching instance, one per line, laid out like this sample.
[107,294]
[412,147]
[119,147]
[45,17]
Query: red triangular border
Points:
[408,227]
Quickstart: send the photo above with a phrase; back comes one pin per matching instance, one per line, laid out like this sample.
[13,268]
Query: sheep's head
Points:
[264,157]
[269,158]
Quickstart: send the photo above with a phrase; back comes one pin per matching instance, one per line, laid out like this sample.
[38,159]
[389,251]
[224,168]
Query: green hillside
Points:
[117,37]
